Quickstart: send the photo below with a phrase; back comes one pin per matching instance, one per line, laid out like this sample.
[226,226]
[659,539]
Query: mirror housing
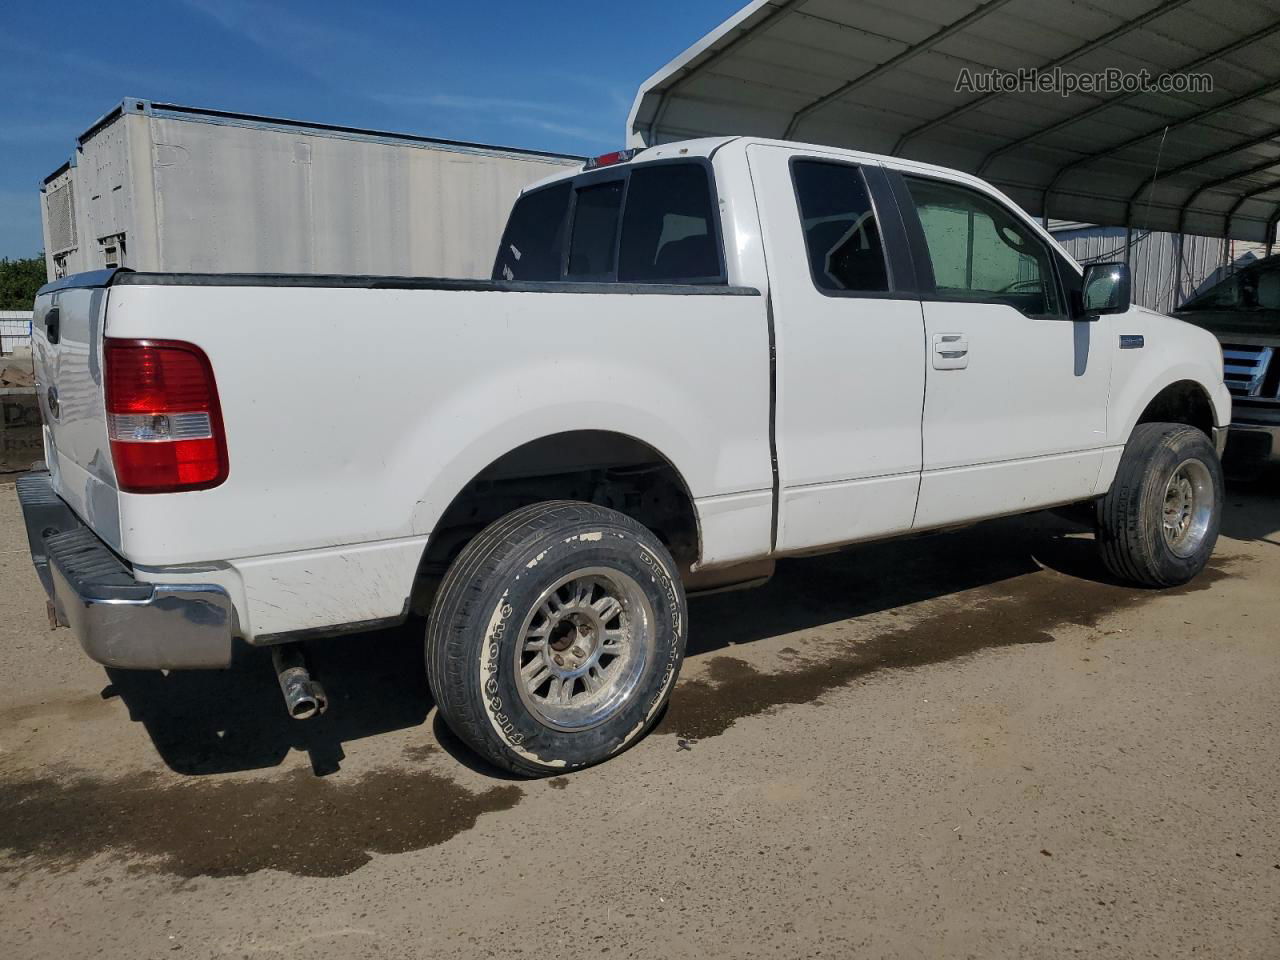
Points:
[1107,288]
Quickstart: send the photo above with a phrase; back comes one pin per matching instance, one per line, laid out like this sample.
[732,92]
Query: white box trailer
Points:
[162,187]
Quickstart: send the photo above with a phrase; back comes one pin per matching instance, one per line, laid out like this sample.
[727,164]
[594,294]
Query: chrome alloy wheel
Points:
[584,648]
[1188,507]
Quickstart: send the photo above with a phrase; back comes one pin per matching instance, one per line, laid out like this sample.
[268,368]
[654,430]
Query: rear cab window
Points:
[841,234]
[648,223]
[532,243]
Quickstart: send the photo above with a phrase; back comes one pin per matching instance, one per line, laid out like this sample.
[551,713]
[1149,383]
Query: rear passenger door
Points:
[849,345]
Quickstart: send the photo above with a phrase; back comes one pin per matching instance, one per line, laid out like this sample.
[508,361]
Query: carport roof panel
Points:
[881,77]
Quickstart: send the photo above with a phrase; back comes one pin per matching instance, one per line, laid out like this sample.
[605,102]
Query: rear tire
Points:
[1159,523]
[556,637]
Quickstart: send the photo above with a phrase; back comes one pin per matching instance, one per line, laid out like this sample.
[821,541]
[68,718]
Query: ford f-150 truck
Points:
[690,361]
[1243,312]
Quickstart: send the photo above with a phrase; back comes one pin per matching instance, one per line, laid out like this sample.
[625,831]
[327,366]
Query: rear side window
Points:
[595,231]
[533,243]
[668,234]
[841,236]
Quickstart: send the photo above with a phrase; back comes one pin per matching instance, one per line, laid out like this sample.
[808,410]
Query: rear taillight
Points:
[163,417]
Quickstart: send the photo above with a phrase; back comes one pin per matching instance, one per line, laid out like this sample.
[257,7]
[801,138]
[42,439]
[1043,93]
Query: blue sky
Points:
[553,76]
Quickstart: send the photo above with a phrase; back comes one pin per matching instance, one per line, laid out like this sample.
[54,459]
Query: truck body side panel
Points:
[340,439]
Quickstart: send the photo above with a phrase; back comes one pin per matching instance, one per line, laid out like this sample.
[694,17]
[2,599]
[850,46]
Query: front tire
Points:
[556,637]
[1159,523]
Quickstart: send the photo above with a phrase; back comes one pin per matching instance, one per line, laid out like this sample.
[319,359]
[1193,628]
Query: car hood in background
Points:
[1247,326]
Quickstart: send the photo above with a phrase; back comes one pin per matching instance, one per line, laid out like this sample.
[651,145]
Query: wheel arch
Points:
[1180,401]
[608,467]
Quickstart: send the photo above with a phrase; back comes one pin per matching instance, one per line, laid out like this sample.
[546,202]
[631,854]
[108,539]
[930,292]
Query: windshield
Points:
[1257,288]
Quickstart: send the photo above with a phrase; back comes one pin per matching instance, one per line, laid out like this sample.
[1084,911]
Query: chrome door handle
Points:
[950,351]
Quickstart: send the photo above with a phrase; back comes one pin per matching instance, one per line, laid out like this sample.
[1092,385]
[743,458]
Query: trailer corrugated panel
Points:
[181,189]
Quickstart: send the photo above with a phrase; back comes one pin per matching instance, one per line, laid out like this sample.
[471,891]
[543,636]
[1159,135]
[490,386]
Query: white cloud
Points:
[539,115]
[450,101]
[568,130]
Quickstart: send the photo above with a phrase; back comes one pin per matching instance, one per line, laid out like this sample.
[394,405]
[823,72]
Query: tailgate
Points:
[67,333]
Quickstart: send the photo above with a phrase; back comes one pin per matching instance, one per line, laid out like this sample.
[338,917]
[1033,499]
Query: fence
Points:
[15,330]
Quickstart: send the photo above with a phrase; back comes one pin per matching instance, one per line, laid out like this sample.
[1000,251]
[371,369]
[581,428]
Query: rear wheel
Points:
[556,637]
[1159,523]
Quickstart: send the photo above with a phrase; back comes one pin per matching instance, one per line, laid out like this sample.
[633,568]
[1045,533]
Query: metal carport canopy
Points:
[881,77]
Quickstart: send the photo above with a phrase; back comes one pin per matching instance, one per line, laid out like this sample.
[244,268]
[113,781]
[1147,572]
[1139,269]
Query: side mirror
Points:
[1106,289]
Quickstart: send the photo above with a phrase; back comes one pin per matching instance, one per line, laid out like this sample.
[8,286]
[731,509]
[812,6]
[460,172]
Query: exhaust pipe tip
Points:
[304,698]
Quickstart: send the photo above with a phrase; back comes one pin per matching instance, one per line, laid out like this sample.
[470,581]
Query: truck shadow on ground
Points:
[215,722]
[1252,506]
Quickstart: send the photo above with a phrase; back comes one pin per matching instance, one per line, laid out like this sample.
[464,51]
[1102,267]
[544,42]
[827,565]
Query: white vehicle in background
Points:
[692,361]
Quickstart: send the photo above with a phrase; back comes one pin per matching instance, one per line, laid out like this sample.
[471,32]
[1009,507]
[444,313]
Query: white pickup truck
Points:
[691,361]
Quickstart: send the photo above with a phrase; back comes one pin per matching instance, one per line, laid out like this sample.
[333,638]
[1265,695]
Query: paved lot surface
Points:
[968,745]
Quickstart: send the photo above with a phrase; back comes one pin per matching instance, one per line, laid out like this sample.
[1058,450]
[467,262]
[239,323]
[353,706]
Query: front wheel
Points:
[556,637]
[1159,523]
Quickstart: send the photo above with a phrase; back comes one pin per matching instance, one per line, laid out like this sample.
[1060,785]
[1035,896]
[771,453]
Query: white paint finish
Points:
[307,589]
[1173,351]
[446,383]
[965,494]
[320,588]
[1029,387]
[76,443]
[829,514]
[850,380]
[733,528]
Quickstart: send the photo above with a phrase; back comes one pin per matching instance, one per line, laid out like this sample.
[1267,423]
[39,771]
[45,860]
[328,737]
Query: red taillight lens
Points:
[609,159]
[163,417]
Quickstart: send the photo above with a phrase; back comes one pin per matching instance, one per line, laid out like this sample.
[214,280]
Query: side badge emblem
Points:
[1132,341]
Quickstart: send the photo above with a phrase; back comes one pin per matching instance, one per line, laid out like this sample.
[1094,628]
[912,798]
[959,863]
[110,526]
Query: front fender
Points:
[1172,351]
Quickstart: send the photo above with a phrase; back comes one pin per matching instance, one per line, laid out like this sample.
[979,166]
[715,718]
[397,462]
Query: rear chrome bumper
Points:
[121,622]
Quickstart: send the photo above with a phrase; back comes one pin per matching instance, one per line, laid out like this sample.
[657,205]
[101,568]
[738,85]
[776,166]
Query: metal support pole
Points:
[1177,270]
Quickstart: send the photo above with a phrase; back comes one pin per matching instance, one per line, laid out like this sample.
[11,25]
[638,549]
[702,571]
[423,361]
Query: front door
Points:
[849,347]
[1015,414]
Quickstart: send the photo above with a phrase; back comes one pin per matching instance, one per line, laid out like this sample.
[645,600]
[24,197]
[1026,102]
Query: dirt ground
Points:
[966,745]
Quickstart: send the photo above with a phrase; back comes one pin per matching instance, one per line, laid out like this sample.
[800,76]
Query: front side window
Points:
[982,252]
[668,234]
[533,243]
[840,231]
[595,231]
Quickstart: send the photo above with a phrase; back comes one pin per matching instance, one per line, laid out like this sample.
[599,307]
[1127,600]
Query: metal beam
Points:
[1207,60]
[664,99]
[1200,115]
[1221,181]
[911,52]
[1240,201]
[1211,158]
[1080,51]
